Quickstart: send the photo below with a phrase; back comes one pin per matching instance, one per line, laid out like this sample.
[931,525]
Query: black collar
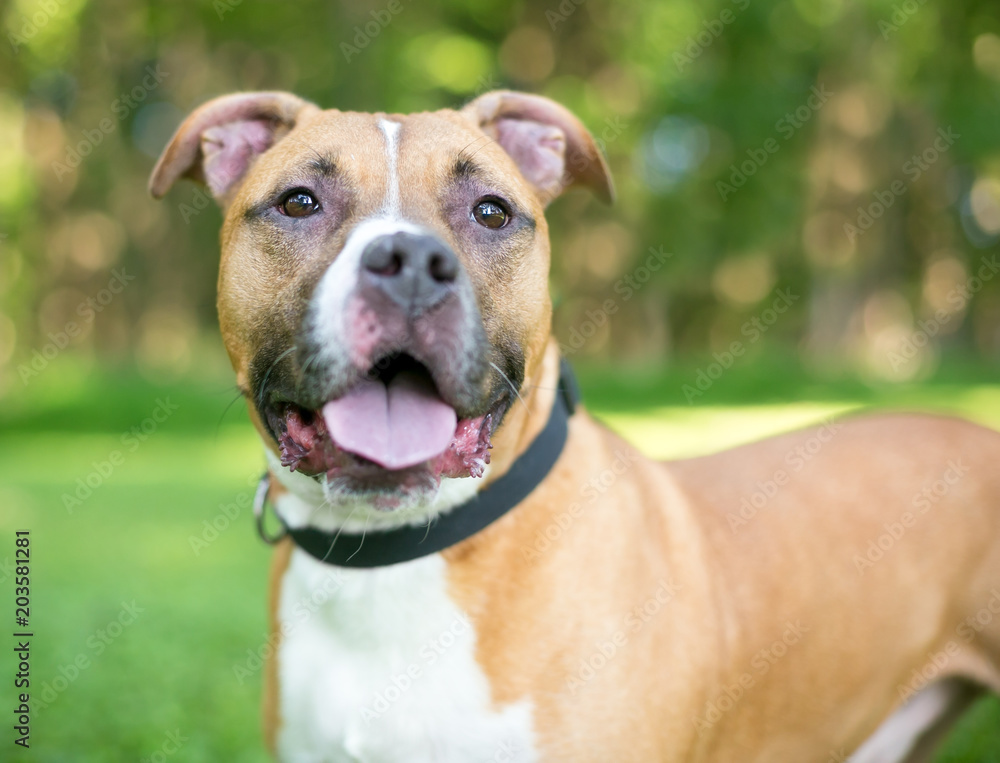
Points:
[379,548]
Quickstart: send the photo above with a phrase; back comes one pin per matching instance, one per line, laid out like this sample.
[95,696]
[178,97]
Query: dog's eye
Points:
[298,203]
[490,214]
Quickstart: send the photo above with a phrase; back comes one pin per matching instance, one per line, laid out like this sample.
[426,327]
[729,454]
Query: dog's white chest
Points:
[378,666]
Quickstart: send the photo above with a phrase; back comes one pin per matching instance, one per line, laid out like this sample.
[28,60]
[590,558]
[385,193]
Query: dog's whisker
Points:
[510,384]
[543,387]
[463,156]
[487,141]
[427,528]
[263,384]
[309,361]
[339,531]
[364,531]
[218,426]
[431,517]
[327,503]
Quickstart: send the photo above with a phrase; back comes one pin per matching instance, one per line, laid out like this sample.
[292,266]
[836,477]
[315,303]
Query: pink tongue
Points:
[397,426]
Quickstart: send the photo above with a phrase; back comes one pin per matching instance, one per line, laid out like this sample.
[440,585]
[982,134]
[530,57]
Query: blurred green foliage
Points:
[724,156]
[746,139]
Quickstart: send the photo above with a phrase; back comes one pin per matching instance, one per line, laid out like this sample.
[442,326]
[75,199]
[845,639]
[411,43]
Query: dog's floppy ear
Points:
[551,147]
[217,143]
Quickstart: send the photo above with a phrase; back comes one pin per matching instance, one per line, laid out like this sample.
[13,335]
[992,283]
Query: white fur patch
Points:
[392,208]
[306,505]
[378,666]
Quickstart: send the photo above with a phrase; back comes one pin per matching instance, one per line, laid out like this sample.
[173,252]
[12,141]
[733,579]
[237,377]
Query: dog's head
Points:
[383,290]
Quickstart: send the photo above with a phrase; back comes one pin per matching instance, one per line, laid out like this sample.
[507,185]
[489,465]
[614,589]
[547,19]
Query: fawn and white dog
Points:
[474,570]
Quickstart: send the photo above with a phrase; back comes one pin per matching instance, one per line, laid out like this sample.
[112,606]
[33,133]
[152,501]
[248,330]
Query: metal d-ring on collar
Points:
[385,547]
[260,509]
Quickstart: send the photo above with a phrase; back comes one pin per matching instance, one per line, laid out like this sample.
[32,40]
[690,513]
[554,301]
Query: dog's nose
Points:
[415,271]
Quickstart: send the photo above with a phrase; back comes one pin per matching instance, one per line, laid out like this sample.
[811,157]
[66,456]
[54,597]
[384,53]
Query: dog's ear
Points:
[218,142]
[548,143]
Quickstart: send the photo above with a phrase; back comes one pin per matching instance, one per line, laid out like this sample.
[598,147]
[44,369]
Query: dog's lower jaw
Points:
[309,502]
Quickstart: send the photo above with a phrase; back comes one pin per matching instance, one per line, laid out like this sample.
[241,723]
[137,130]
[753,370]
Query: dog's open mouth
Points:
[391,428]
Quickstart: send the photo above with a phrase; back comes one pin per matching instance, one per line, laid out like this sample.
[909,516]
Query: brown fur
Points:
[537,618]
[538,615]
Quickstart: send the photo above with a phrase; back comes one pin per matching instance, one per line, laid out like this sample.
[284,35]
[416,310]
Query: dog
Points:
[472,569]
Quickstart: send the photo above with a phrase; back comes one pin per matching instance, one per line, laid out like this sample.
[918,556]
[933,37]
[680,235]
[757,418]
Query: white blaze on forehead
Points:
[391,207]
[340,279]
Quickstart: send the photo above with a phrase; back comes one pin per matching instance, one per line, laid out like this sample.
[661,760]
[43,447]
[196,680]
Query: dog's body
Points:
[626,610]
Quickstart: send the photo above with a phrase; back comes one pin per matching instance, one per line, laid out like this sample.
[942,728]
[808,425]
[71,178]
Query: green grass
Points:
[172,669]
